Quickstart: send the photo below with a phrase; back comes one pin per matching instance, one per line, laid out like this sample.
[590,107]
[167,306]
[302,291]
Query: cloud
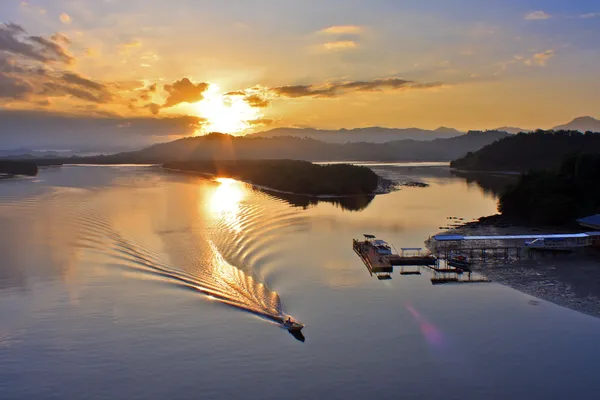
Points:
[146,93]
[343,30]
[540,59]
[65,18]
[261,121]
[27,77]
[330,90]
[255,100]
[184,91]
[589,15]
[14,40]
[96,129]
[235,93]
[537,16]
[340,45]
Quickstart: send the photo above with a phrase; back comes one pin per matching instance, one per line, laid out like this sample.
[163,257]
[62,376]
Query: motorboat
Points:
[292,325]
[459,261]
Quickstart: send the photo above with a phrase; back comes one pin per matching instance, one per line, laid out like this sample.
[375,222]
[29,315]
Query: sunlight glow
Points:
[225,202]
[225,114]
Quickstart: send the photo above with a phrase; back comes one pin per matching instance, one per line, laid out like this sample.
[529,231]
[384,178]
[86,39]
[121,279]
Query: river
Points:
[129,282]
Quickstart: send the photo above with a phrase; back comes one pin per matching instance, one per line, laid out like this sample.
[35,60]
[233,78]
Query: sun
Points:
[225,114]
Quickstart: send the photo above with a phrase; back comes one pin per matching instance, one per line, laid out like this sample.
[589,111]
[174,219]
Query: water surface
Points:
[130,282]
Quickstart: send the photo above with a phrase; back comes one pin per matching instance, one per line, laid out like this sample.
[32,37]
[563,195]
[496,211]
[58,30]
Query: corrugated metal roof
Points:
[592,220]
[445,238]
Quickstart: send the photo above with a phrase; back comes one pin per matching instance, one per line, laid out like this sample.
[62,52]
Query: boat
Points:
[292,325]
[381,258]
[459,262]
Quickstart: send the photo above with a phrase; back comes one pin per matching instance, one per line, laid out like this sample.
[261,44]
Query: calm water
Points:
[129,282]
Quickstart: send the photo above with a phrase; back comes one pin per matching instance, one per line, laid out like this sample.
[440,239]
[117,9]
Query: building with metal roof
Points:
[593,221]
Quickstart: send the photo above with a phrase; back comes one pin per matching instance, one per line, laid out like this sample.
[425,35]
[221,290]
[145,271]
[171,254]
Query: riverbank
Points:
[571,280]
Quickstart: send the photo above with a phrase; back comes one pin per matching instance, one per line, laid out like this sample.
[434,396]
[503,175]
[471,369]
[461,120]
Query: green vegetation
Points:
[556,197]
[540,150]
[18,168]
[290,176]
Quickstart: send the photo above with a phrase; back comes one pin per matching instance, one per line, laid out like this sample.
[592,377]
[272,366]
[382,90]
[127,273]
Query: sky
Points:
[181,67]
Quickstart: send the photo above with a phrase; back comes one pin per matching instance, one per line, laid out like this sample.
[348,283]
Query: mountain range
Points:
[217,146]
[373,134]
[377,134]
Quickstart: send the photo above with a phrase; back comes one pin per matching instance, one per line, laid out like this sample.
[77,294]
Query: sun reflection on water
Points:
[225,202]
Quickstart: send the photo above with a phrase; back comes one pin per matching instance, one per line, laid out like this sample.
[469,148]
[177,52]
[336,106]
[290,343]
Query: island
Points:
[293,176]
[11,168]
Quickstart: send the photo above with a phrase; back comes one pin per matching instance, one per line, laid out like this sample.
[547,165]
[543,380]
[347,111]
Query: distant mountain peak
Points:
[371,134]
[447,129]
[585,119]
[581,124]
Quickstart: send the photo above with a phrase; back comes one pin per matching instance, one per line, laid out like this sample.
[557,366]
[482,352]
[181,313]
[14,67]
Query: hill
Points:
[374,134]
[527,151]
[581,124]
[556,197]
[291,176]
[218,146]
[511,129]
[18,168]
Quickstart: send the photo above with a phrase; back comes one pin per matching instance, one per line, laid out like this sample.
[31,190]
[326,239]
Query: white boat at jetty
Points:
[380,257]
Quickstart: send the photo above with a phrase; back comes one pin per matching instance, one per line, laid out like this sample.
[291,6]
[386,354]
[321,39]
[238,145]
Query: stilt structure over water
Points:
[380,258]
[444,245]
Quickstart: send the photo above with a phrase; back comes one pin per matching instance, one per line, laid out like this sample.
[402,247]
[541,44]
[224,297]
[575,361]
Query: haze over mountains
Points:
[216,146]
[377,134]
[373,134]
[40,134]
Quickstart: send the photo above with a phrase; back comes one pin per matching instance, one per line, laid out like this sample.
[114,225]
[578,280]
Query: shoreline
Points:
[570,280]
[490,172]
[386,188]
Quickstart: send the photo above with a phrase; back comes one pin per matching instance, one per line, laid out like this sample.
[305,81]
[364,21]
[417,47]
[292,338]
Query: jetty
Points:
[380,258]
[507,246]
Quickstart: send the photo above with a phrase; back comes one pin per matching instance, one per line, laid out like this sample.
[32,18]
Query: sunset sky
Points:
[240,66]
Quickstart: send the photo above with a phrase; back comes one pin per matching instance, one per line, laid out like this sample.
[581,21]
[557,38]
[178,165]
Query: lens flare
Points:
[431,333]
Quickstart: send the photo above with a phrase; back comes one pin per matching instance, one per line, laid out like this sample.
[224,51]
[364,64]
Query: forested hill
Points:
[560,197]
[539,150]
[218,146]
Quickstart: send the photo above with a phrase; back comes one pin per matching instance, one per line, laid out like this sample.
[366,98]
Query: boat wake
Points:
[216,253]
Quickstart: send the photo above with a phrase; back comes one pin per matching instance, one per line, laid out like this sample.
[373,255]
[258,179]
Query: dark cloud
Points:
[29,69]
[24,81]
[261,121]
[337,89]
[303,91]
[75,79]
[154,108]
[255,100]
[146,93]
[14,40]
[44,129]
[184,91]
[13,89]
[235,93]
